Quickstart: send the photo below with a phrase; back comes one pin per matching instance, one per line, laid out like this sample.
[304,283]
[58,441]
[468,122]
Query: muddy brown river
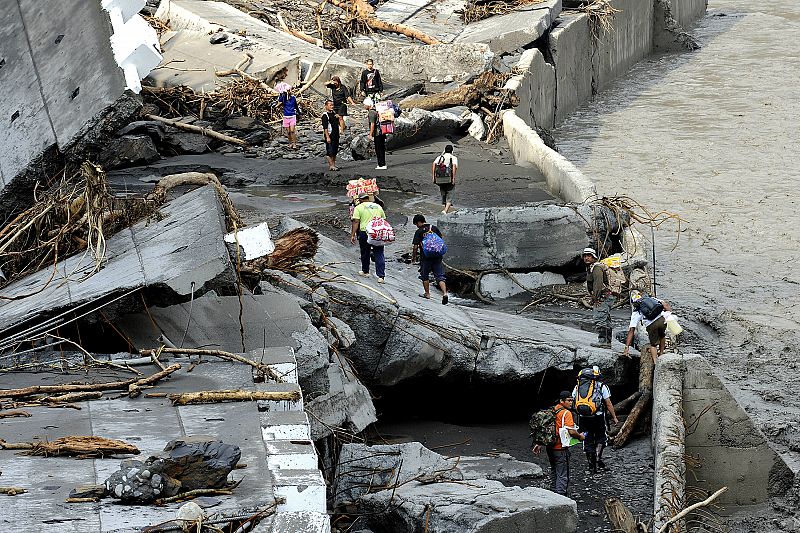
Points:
[713,136]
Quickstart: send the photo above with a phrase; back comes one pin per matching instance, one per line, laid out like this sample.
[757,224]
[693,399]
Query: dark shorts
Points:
[341,110]
[657,331]
[434,264]
[332,148]
[447,193]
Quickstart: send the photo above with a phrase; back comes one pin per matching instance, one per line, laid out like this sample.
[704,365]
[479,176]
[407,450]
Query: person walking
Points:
[340,94]
[592,401]
[371,84]
[330,129]
[443,172]
[289,103]
[365,211]
[376,134]
[652,313]
[557,452]
[430,262]
[602,297]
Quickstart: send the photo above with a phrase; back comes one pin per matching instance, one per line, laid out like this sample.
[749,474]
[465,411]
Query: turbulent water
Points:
[713,136]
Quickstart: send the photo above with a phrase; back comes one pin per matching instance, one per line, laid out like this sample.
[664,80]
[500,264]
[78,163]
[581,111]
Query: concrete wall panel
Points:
[629,41]
[536,89]
[571,49]
[688,12]
[74,60]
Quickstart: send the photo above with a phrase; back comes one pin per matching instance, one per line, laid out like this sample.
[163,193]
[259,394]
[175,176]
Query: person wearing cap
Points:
[365,211]
[656,328]
[594,427]
[557,453]
[376,134]
[602,298]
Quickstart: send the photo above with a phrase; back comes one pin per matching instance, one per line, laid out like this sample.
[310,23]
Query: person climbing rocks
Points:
[365,211]
[430,254]
[557,453]
[371,84]
[376,134]
[592,402]
[651,312]
[330,129]
[602,297]
[443,172]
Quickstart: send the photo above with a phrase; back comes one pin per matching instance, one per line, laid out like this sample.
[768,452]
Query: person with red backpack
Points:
[364,212]
[557,451]
[428,240]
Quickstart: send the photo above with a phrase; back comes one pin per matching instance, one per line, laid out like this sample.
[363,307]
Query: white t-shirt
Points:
[637,317]
[447,159]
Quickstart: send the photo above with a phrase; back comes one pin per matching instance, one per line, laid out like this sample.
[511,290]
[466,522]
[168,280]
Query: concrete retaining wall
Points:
[570,47]
[629,41]
[696,415]
[688,12]
[536,89]
[564,180]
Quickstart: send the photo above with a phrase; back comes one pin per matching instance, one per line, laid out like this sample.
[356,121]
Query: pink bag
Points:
[379,232]
[387,127]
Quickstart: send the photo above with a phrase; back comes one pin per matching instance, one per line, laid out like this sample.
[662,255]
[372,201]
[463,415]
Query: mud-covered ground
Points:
[712,136]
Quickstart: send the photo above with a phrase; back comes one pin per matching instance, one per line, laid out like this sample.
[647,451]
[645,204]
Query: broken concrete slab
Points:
[401,336]
[200,60]
[412,126]
[77,97]
[180,255]
[210,16]
[410,62]
[480,506]
[502,467]
[527,238]
[506,33]
[504,285]
[438,18]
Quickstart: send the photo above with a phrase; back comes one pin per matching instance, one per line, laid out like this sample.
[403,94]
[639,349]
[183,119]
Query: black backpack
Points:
[650,307]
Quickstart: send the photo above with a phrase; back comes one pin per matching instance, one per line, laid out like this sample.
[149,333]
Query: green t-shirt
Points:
[366,211]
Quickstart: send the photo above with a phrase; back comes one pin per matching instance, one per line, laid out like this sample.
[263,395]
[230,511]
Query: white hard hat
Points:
[590,251]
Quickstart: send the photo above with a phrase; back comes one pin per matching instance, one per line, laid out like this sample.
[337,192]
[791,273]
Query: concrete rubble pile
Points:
[412,487]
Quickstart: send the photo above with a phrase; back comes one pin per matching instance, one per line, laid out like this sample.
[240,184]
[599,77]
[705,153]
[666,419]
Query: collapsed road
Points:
[182,319]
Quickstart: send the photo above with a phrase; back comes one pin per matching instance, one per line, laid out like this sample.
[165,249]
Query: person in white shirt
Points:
[443,173]
[594,427]
[656,326]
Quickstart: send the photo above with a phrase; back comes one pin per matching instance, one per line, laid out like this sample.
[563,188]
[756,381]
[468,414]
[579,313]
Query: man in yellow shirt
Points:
[363,213]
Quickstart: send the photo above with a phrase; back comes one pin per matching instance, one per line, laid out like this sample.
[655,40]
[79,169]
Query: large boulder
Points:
[199,462]
[141,482]
[412,126]
[128,150]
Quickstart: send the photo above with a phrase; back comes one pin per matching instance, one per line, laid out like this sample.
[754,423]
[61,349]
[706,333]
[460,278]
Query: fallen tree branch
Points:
[366,14]
[15,414]
[12,491]
[297,33]
[216,396]
[691,508]
[87,387]
[169,182]
[316,76]
[176,123]
[261,367]
[192,494]
[72,397]
[620,517]
[83,447]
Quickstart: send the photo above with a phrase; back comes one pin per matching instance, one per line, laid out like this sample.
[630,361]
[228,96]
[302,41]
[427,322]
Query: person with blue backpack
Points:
[650,312]
[429,242]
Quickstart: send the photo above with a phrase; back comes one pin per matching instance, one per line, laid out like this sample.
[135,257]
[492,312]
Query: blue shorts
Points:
[428,265]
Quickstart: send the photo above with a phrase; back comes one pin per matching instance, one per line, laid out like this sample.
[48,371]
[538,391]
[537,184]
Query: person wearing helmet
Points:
[651,313]
[602,297]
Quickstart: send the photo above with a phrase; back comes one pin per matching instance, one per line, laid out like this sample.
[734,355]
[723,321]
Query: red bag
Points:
[379,232]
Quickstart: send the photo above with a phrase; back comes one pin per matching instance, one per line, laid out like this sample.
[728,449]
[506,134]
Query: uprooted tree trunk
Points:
[644,401]
[165,184]
[478,94]
[365,13]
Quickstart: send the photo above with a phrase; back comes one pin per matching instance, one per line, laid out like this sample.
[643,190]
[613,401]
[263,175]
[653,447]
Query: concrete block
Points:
[291,454]
[282,405]
[629,41]
[301,522]
[200,59]
[506,33]
[688,12]
[570,46]
[280,359]
[286,425]
[502,285]
[304,490]
[411,62]
[536,89]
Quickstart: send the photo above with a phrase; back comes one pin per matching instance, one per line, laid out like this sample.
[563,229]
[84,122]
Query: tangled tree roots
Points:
[476,10]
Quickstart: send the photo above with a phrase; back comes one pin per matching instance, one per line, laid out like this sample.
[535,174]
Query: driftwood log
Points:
[642,404]
[366,14]
[222,355]
[12,491]
[297,33]
[217,396]
[87,387]
[176,123]
[15,414]
[479,94]
[82,446]
[169,182]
